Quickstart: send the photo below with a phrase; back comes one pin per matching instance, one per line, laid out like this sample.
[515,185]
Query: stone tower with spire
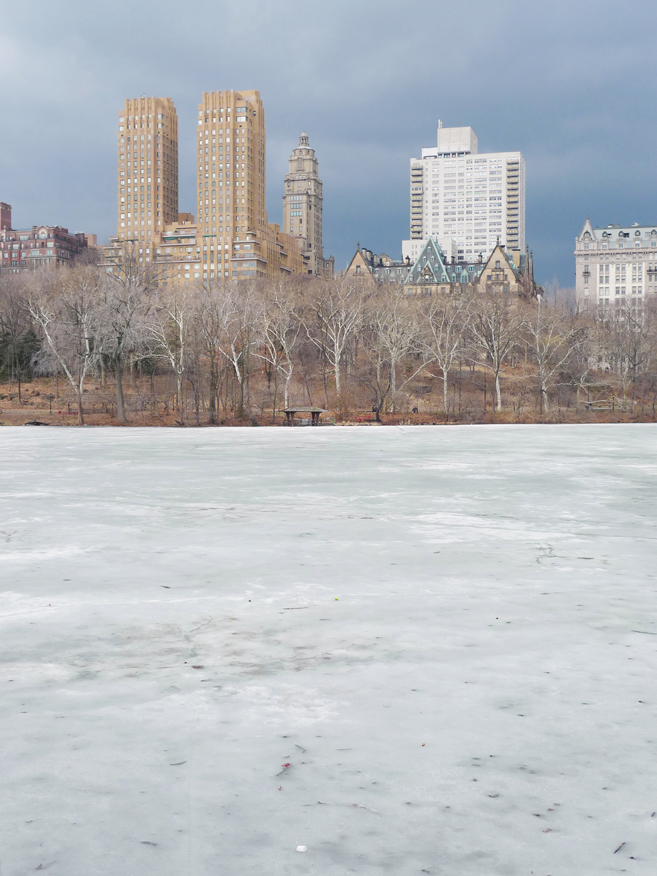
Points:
[302,208]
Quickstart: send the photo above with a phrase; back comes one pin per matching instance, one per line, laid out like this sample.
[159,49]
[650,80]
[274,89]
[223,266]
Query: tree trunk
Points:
[179,395]
[78,392]
[325,379]
[212,405]
[498,393]
[120,407]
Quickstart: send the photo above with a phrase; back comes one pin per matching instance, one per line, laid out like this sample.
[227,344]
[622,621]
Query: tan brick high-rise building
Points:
[232,238]
[147,191]
[230,174]
[302,208]
[238,240]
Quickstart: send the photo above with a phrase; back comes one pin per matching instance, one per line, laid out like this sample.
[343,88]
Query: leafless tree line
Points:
[337,343]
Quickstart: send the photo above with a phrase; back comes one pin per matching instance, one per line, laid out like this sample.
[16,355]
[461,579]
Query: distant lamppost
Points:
[50,398]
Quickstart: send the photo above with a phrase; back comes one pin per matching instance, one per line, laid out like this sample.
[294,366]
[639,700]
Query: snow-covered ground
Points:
[414,650]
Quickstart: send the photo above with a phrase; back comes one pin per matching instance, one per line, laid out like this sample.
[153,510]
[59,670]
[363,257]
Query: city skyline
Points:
[564,96]
[229,235]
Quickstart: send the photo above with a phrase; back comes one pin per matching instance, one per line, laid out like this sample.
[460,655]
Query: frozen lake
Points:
[410,650]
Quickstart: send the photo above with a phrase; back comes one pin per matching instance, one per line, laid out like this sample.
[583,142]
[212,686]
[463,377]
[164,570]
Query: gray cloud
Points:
[571,84]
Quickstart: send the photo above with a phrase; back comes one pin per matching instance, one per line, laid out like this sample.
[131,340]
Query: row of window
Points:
[464,162]
[604,291]
[48,255]
[33,245]
[478,176]
[621,245]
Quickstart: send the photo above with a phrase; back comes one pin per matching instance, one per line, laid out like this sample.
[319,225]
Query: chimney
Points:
[5,216]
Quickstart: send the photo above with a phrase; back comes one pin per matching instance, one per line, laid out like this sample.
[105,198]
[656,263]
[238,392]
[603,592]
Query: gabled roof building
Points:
[377,268]
[432,272]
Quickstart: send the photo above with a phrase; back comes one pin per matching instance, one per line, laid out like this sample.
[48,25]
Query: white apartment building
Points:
[615,265]
[465,199]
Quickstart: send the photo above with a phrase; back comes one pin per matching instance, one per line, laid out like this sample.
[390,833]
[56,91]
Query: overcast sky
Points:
[570,84]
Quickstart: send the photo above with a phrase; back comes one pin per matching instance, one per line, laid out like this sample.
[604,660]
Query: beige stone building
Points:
[239,242]
[177,249]
[231,143]
[302,208]
[616,266]
[147,183]
[231,237]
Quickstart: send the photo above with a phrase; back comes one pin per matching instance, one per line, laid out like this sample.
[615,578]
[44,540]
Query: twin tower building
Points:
[231,237]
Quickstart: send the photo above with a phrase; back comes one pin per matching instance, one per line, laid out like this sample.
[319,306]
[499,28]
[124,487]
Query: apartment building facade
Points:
[231,237]
[302,208]
[615,265]
[465,199]
[147,162]
[30,248]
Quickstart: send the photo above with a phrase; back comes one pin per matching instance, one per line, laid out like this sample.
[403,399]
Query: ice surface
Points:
[449,634]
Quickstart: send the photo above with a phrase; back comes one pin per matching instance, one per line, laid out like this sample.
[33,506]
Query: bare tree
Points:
[210,333]
[66,309]
[446,320]
[389,336]
[495,328]
[628,339]
[334,317]
[168,328]
[554,337]
[231,326]
[18,342]
[392,321]
[279,329]
[126,298]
